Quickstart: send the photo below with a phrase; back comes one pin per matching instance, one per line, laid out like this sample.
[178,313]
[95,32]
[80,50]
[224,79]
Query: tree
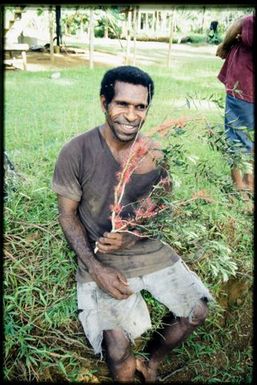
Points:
[108,22]
[58,25]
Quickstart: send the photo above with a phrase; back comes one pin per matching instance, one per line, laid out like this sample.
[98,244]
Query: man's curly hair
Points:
[127,74]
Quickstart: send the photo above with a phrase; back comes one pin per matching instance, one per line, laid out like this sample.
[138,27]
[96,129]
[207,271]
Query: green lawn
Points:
[44,339]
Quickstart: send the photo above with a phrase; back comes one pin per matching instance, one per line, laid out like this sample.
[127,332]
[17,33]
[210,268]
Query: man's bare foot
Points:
[143,367]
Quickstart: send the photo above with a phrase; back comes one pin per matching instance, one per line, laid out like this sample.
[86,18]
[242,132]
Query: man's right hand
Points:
[110,280]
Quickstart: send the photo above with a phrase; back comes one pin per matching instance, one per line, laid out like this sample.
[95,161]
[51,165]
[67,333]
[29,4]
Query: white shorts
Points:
[176,286]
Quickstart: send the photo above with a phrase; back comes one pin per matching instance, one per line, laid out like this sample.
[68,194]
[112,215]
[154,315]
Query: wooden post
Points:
[139,20]
[106,27]
[171,25]
[91,39]
[24,60]
[51,33]
[203,19]
[128,37]
[58,24]
[134,34]
[158,27]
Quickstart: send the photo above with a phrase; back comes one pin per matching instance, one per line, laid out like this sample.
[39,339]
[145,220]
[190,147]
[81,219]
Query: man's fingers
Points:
[113,237]
[122,279]
[117,294]
[124,291]
[106,248]
[110,240]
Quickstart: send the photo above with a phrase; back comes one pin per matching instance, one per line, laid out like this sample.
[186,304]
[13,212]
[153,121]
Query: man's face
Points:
[127,111]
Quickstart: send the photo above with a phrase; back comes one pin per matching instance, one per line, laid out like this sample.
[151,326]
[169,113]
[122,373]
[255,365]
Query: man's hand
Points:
[221,51]
[110,242]
[227,43]
[112,281]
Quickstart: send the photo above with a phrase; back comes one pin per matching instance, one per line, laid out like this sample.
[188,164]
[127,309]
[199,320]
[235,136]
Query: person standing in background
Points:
[237,75]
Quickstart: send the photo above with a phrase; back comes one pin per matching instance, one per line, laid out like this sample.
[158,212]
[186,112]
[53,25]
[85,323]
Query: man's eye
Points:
[122,104]
[141,107]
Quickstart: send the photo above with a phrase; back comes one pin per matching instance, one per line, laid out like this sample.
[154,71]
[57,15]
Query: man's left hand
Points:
[113,241]
[221,51]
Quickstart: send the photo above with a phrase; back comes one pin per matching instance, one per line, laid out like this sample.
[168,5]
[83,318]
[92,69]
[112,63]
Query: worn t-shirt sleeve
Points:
[66,173]
[248,31]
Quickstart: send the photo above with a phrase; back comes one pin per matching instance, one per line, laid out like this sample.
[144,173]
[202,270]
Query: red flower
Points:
[116,208]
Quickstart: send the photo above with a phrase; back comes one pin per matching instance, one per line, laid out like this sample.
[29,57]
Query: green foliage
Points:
[73,21]
[109,20]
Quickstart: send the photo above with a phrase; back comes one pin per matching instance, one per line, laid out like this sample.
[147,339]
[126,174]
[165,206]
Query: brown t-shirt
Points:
[86,172]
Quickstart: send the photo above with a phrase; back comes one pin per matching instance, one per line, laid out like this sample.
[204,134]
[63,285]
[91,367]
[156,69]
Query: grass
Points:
[43,337]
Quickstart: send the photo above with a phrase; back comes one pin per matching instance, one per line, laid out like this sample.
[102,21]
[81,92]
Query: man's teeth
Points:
[127,126]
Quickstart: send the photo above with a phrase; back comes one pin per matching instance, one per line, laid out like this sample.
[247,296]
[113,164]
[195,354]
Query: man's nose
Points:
[131,114]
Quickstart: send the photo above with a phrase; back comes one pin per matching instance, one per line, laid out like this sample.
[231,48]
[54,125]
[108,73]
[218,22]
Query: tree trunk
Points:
[58,25]
[51,33]
[91,39]
[171,27]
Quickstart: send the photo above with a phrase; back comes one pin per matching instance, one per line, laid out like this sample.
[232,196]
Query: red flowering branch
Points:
[137,153]
[147,208]
[165,127]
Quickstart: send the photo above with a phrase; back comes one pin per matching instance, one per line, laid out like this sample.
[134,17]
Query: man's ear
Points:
[103,103]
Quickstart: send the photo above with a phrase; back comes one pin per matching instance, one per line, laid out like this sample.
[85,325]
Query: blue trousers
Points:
[239,121]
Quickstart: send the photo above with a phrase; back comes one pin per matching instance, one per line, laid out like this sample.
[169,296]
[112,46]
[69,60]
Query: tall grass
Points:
[43,337]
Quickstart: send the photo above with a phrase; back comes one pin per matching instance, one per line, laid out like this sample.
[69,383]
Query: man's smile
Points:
[128,128]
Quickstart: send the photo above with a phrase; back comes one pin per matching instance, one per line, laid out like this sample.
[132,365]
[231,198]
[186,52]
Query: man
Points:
[109,280]
[237,76]
[213,32]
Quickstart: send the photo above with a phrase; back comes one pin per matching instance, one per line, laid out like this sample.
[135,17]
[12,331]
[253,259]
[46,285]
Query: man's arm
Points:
[110,280]
[233,33]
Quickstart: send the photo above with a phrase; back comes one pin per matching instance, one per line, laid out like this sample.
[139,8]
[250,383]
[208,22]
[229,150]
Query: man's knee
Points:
[199,313]
[118,355]
[117,348]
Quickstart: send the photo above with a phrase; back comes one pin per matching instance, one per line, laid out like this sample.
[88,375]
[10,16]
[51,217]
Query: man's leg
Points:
[248,178]
[237,178]
[119,357]
[249,182]
[171,336]
[239,126]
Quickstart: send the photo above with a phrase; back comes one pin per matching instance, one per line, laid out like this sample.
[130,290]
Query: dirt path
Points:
[40,61]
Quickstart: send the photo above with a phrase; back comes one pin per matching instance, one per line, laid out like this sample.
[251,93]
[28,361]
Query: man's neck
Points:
[113,142]
[118,148]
